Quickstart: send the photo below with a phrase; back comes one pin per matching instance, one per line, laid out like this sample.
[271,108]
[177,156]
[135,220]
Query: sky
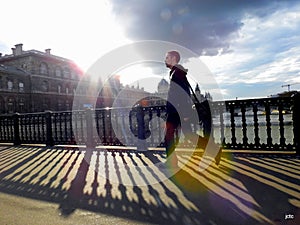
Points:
[251,47]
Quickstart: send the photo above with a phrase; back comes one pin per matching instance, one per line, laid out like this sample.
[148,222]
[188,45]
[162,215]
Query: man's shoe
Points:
[218,156]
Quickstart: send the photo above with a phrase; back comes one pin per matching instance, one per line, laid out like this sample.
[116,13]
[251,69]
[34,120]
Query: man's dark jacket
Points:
[179,100]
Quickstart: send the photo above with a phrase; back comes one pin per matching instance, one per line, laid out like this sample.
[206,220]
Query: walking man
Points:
[179,109]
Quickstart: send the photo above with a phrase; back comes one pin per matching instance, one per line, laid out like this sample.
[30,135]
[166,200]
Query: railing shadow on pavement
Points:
[108,181]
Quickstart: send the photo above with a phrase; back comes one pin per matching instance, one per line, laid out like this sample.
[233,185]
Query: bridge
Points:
[104,167]
[277,128]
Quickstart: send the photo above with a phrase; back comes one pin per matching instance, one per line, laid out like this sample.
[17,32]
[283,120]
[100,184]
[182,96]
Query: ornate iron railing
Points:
[269,123]
[266,124]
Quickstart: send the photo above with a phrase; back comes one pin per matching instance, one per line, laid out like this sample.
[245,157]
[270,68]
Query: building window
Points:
[46,104]
[59,89]
[67,90]
[22,105]
[83,91]
[11,105]
[73,75]
[58,72]
[2,108]
[10,85]
[67,72]
[45,86]
[43,68]
[59,105]
[68,105]
[21,87]
[24,66]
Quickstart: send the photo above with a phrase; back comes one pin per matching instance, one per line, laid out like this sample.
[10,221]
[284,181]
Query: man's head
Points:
[172,58]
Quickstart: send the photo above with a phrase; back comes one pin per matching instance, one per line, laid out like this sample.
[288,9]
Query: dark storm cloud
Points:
[203,26]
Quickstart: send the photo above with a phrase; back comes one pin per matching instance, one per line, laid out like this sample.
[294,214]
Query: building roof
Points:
[12,70]
[163,82]
[36,53]
[18,52]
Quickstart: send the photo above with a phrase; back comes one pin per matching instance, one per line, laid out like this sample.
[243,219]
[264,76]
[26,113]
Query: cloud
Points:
[206,27]
[251,47]
[266,52]
[243,43]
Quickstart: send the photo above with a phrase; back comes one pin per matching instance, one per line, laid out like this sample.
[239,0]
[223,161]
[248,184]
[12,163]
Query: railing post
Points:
[90,143]
[256,129]
[244,125]
[296,122]
[232,124]
[141,145]
[268,124]
[17,140]
[49,134]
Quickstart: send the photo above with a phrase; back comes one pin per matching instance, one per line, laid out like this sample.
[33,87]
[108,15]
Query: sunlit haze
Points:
[252,49]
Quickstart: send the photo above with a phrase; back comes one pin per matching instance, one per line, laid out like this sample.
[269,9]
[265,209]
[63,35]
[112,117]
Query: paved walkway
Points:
[59,185]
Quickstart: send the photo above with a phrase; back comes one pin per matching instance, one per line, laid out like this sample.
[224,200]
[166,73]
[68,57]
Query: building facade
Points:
[35,81]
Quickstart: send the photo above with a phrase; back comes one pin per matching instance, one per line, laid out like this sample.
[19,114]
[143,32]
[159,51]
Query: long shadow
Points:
[209,191]
[124,183]
[13,156]
[222,180]
[3,148]
[275,189]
